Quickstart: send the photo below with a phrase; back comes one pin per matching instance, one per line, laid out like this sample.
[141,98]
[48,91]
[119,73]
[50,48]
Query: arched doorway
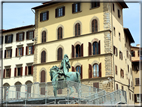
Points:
[29,86]
[5,87]
[42,80]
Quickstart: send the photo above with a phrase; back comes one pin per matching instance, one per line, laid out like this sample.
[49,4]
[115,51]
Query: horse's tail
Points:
[78,76]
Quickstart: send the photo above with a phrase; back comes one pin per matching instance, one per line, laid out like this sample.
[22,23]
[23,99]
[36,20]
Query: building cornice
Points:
[88,34]
[74,59]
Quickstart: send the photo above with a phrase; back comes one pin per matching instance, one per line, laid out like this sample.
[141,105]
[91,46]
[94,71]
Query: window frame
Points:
[17,36]
[77,29]
[8,36]
[41,16]
[43,37]
[28,33]
[94,25]
[60,10]
[78,7]
[94,5]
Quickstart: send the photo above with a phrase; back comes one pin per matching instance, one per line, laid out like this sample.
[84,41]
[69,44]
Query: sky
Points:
[20,14]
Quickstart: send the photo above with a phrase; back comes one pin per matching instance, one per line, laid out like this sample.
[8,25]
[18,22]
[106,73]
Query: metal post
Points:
[6,95]
[68,91]
[25,94]
[45,93]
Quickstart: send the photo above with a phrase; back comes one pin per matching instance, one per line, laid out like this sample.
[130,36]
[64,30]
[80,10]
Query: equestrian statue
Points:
[62,73]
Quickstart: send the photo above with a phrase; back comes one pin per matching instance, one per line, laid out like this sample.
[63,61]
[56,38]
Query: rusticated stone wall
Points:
[35,47]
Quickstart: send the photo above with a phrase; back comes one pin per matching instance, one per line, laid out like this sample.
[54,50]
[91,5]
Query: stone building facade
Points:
[93,37]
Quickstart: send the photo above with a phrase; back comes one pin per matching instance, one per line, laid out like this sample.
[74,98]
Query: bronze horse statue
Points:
[59,75]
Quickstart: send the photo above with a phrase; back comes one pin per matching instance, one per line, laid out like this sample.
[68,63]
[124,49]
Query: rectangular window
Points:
[119,37]
[114,30]
[20,36]
[122,73]
[130,95]
[44,16]
[7,73]
[75,7]
[59,91]
[95,4]
[60,12]
[8,53]
[9,38]
[19,51]
[136,81]
[96,85]
[128,68]
[19,72]
[29,70]
[119,13]
[120,55]
[113,7]
[116,86]
[29,50]
[115,69]
[30,35]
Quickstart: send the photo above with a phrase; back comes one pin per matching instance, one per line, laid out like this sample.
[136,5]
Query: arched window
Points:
[60,54]
[78,51]
[5,87]
[43,36]
[94,26]
[77,29]
[18,89]
[43,56]
[60,33]
[95,48]
[95,70]
[78,69]
[29,85]
[42,79]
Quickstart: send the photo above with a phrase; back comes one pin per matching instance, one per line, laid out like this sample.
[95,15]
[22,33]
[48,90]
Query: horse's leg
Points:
[55,92]
[71,90]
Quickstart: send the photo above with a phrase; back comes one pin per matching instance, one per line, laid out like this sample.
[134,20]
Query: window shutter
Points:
[16,52]
[63,10]
[135,97]
[41,16]
[22,51]
[33,50]
[99,47]
[90,71]
[2,40]
[11,53]
[5,54]
[27,35]
[4,73]
[41,56]
[116,69]
[9,72]
[116,51]
[47,13]
[73,8]
[21,70]
[5,39]
[56,12]
[11,38]
[25,70]
[26,50]
[17,37]
[82,50]
[72,51]
[78,29]
[23,35]
[79,6]
[32,70]
[81,72]
[113,49]
[15,72]
[100,70]
[89,49]
[73,69]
